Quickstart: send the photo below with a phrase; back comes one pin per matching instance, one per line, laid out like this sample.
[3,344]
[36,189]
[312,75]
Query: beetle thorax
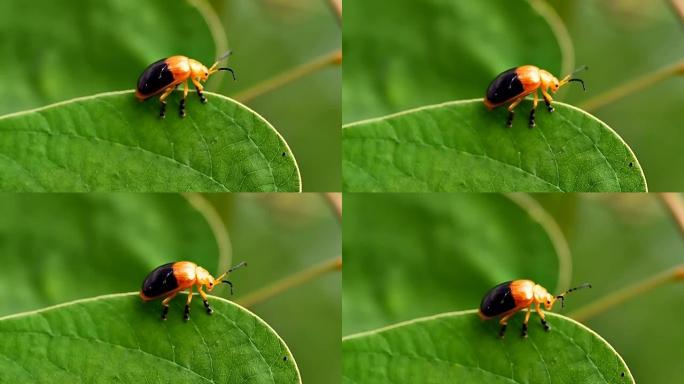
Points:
[198,70]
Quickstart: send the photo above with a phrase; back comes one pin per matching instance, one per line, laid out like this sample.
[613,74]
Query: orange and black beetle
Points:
[167,74]
[169,279]
[516,83]
[506,299]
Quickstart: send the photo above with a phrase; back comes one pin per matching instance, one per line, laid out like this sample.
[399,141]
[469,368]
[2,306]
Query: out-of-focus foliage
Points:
[617,240]
[414,255]
[54,51]
[56,248]
[270,37]
[415,53]
[622,40]
[57,51]
[287,234]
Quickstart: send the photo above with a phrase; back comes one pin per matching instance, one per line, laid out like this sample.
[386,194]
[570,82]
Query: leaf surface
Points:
[111,142]
[125,341]
[461,146]
[459,347]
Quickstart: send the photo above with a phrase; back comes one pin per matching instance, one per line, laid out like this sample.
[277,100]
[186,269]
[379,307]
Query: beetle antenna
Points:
[220,59]
[239,265]
[580,69]
[229,283]
[220,280]
[224,56]
[229,70]
[562,295]
[579,81]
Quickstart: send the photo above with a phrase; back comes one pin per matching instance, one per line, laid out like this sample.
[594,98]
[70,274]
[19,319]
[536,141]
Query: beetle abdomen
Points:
[160,281]
[498,300]
[154,79]
[505,87]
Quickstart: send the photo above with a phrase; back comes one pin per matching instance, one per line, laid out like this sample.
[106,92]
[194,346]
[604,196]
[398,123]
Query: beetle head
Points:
[568,79]
[215,68]
[562,295]
[221,279]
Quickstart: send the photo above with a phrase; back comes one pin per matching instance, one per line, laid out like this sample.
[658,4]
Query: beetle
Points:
[507,298]
[514,84]
[169,279]
[165,75]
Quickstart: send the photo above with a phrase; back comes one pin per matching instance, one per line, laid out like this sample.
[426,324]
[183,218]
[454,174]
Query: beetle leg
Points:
[527,319]
[543,319]
[511,113]
[547,99]
[504,324]
[165,305]
[199,89]
[185,96]
[186,313]
[534,107]
[162,100]
[204,299]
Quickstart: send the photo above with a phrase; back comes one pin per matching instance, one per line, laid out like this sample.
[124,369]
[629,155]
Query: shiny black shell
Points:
[155,78]
[498,300]
[505,87]
[160,281]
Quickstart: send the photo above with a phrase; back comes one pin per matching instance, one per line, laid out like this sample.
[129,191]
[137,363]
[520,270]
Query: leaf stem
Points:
[336,7]
[633,86]
[218,34]
[678,6]
[629,292]
[334,199]
[269,85]
[218,228]
[297,279]
[674,203]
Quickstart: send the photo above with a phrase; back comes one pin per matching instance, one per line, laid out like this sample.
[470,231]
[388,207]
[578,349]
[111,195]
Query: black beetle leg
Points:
[533,110]
[182,102]
[208,307]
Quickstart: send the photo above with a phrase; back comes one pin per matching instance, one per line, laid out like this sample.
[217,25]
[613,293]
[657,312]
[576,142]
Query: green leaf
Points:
[54,51]
[459,347]
[461,146]
[125,341]
[424,52]
[414,255]
[111,142]
[61,247]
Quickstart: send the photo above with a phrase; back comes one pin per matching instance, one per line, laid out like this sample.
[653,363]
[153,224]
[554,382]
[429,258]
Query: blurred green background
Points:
[614,240]
[59,247]
[55,51]
[432,51]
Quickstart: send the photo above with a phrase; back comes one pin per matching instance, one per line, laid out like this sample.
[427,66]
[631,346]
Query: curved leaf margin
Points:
[136,295]
[132,92]
[474,312]
[610,130]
